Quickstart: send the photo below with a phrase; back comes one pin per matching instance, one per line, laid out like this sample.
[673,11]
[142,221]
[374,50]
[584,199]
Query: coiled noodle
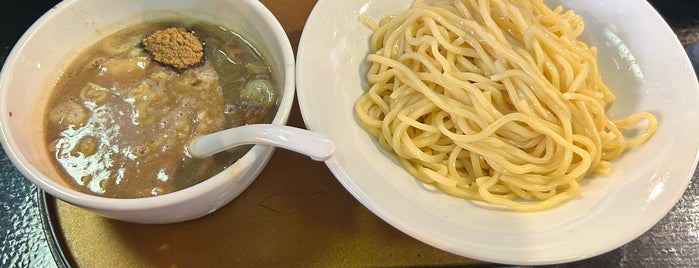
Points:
[493,100]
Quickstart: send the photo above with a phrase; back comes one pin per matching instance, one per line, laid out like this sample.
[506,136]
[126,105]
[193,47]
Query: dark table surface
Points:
[673,242]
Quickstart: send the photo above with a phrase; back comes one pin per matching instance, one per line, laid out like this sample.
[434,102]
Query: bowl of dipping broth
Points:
[99,100]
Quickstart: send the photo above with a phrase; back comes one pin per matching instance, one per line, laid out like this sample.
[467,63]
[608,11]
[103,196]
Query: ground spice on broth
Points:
[118,121]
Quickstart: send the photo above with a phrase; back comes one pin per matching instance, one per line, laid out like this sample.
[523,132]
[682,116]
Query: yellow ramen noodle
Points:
[493,100]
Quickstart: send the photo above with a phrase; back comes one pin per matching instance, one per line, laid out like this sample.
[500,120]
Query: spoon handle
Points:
[319,147]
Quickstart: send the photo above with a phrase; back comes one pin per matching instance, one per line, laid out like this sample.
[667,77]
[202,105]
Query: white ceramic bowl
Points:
[641,61]
[57,37]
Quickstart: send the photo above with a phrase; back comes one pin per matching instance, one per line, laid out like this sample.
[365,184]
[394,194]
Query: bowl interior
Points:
[62,33]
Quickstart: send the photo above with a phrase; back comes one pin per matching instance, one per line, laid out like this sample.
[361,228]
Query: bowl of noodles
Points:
[516,132]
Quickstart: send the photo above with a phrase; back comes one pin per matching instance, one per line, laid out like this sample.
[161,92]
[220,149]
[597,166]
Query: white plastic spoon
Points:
[317,146]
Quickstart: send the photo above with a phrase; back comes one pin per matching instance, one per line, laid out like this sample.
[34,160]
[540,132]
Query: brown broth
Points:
[118,122]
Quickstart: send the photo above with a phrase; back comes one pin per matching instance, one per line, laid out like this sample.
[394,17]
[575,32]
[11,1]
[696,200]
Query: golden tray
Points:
[295,214]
